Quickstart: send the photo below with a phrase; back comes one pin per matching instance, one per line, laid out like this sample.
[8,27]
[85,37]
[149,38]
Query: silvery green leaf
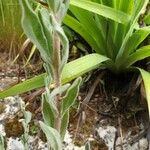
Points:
[87,146]
[59,90]
[27,116]
[47,81]
[63,9]
[47,78]
[50,100]
[54,5]
[65,46]
[48,112]
[33,29]
[2,145]
[70,96]
[52,136]
[44,17]
[64,43]
[64,124]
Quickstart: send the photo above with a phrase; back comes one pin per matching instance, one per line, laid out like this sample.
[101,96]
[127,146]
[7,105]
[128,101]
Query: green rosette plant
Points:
[121,43]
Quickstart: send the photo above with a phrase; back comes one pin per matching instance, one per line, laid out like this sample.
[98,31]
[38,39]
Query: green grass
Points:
[10,26]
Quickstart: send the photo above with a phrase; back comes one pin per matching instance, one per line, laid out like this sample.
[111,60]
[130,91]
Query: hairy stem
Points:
[57,78]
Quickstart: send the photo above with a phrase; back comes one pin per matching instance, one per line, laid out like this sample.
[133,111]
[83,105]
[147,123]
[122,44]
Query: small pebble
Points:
[143,144]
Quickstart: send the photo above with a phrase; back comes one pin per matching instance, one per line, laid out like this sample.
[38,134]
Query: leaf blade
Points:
[71,71]
[52,135]
[146,80]
[70,96]
[102,10]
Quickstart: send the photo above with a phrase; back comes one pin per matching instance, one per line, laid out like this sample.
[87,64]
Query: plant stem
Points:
[57,78]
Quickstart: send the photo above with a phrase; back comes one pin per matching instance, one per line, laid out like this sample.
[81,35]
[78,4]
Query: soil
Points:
[118,102]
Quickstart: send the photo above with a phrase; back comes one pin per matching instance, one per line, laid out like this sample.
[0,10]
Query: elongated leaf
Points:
[87,19]
[64,124]
[48,113]
[70,96]
[44,18]
[136,39]
[139,6]
[79,28]
[147,19]
[59,90]
[27,116]
[2,143]
[120,30]
[133,42]
[31,54]
[140,54]
[52,136]
[71,71]
[87,146]
[146,80]
[33,29]
[54,5]
[102,10]
[65,45]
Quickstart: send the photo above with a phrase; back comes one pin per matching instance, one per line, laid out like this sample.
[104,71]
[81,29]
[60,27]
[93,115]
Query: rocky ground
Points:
[113,118]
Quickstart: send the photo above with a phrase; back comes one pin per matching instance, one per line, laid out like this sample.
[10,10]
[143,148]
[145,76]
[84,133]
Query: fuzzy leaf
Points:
[70,96]
[27,116]
[64,124]
[54,5]
[65,46]
[87,146]
[59,90]
[52,136]
[48,113]
[44,17]
[33,29]
[2,143]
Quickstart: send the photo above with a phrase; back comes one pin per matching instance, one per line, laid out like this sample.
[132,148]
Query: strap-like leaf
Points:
[102,10]
[70,96]
[139,6]
[71,71]
[133,42]
[79,28]
[140,54]
[146,80]
[147,19]
[52,136]
[87,19]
